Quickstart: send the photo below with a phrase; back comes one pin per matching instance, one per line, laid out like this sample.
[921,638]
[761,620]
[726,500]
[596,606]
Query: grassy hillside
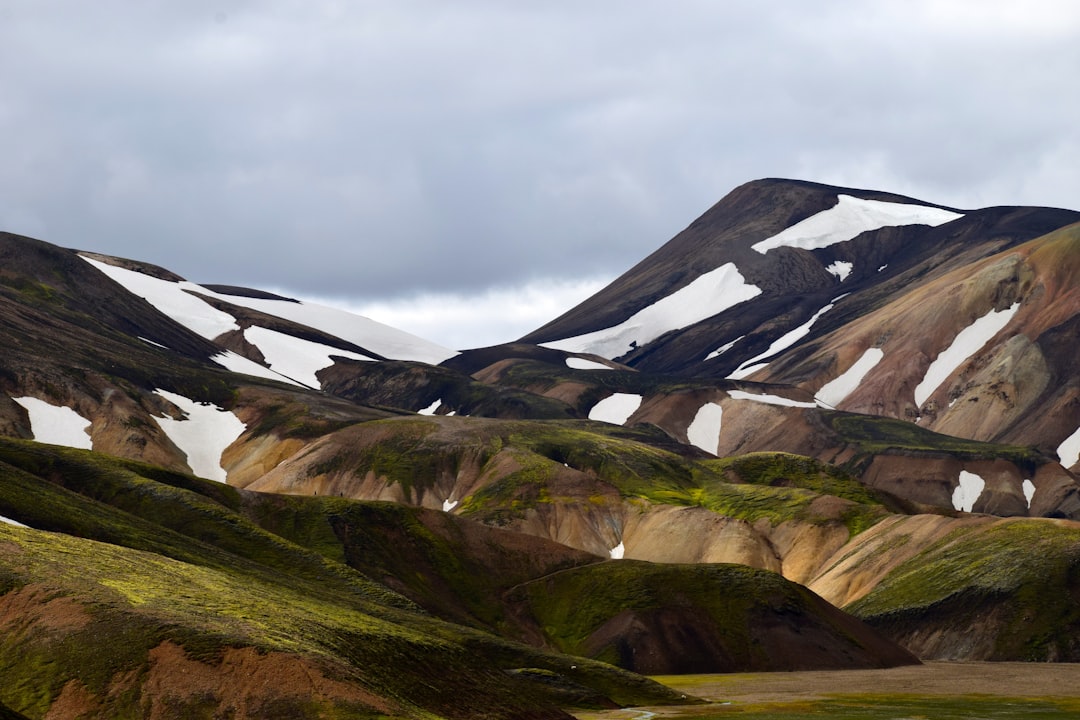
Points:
[995,591]
[698,618]
[145,571]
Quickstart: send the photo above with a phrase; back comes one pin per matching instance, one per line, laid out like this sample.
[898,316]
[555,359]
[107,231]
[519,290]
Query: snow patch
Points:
[295,357]
[618,551]
[56,424]
[615,409]
[708,295]
[833,392]
[782,343]
[578,363]
[449,505]
[240,364]
[704,430]
[769,399]
[430,409]
[9,521]
[883,267]
[1029,491]
[966,343]
[841,269]
[148,341]
[1068,451]
[968,491]
[203,435]
[850,217]
[723,348]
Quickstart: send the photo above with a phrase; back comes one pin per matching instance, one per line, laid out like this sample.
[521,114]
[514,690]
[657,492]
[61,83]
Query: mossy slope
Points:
[170,560]
[698,618]
[1002,590]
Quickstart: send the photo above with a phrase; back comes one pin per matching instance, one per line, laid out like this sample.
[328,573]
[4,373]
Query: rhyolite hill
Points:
[820,428]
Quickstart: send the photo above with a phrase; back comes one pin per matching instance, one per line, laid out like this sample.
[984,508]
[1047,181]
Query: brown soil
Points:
[1029,680]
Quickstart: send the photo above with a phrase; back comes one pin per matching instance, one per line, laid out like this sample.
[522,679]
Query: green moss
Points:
[877,435]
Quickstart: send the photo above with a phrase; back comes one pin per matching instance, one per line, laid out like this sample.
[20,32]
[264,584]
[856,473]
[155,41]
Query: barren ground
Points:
[1043,690]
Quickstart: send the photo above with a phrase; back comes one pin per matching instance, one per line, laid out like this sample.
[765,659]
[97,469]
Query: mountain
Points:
[820,428]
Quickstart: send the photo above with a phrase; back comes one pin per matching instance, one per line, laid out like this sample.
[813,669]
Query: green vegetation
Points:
[1018,574]
[876,435]
[135,561]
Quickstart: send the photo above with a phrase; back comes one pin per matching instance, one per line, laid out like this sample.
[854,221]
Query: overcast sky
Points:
[467,170]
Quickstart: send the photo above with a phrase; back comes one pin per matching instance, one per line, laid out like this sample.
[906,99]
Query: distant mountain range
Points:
[820,428]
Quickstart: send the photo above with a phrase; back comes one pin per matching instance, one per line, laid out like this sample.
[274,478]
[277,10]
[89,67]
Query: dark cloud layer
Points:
[379,149]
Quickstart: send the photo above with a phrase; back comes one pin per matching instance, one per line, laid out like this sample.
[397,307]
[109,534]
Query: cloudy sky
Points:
[468,170]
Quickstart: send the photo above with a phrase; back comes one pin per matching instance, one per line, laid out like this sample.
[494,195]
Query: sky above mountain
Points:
[476,167]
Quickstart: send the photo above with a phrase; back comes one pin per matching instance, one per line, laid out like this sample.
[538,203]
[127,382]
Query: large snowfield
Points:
[850,217]
[708,295]
[176,300]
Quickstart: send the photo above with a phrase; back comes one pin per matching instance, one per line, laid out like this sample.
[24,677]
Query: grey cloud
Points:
[377,149]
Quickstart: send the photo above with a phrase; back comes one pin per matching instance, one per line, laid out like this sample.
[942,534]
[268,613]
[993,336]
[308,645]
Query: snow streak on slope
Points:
[704,430]
[769,399]
[1029,491]
[295,357]
[723,348]
[841,269]
[203,435]
[172,299]
[56,424]
[708,295]
[833,392]
[780,344]
[850,217]
[577,363]
[967,342]
[615,409]
[240,364]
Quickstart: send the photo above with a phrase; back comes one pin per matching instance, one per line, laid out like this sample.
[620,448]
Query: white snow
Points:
[240,364]
[968,491]
[1029,492]
[883,267]
[782,343]
[723,348]
[850,217]
[769,399]
[833,392]
[430,409]
[295,357]
[171,299]
[449,505]
[841,269]
[617,551]
[56,424]
[578,363]
[148,341]
[704,430]
[203,435]
[356,329]
[615,409]
[966,343]
[708,295]
[9,521]
[1069,450]
[199,316]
